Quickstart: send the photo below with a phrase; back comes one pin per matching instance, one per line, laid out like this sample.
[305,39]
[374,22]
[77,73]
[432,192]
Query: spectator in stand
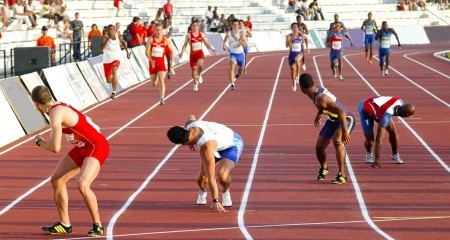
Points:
[5,14]
[298,9]
[412,6]
[208,16]
[105,30]
[215,14]
[117,4]
[20,14]
[30,9]
[159,15]
[316,10]
[305,9]
[134,32]
[202,26]
[47,12]
[151,29]
[117,28]
[63,30]
[168,10]
[60,8]
[94,32]
[11,4]
[78,34]
[142,32]
[47,41]
[227,24]
[222,23]
[421,4]
[214,25]
[292,2]
[248,23]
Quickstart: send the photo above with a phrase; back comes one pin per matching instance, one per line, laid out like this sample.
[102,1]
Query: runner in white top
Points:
[219,145]
[236,48]
[111,56]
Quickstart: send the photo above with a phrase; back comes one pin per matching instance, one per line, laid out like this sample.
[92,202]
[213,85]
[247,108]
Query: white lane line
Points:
[359,196]
[432,69]
[393,219]
[109,231]
[415,84]
[12,204]
[255,159]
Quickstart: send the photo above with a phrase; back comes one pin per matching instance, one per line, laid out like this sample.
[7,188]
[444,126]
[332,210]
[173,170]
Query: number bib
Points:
[336,45]
[386,43]
[296,47]
[157,51]
[369,30]
[196,46]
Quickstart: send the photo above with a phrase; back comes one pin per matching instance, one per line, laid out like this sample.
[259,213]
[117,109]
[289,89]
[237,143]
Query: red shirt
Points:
[196,42]
[158,49]
[150,31]
[168,7]
[249,25]
[46,41]
[134,31]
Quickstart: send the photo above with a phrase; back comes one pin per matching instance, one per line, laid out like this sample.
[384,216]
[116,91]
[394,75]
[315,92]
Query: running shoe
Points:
[396,158]
[162,102]
[370,61]
[172,71]
[341,78]
[200,79]
[113,95]
[386,72]
[304,67]
[96,231]
[297,79]
[322,174]
[294,87]
[226,199]
[201,200]
[233,87]
[195,87]
[245,71]
[339,179]
[57,228]
[382,72]
[369,157]
[168,75]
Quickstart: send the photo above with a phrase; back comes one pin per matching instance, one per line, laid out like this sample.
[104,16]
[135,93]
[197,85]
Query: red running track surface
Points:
[147,188]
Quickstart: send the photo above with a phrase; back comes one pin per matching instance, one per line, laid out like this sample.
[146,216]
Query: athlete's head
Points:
[41,94]
[111,30]
[178,135]
[336,17]
[158,29]
[299,18]
[241,23]
[194,25]
[384,25]
[369,15]
[294,27]
[235,24]
[406,110]
[306,82]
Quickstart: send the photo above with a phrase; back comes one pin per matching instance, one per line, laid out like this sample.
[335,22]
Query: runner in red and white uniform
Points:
[155,51]
[85,160]
[381,109]
[195,38]
[110,46]
[334,39]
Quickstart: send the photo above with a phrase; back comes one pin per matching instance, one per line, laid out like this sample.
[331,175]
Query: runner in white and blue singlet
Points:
[294,42]
[369,27]
[385,50]
[237,42]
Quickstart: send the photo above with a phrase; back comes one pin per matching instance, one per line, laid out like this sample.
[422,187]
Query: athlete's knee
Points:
[83,185]
[320,149]
[56,182]
[337,142]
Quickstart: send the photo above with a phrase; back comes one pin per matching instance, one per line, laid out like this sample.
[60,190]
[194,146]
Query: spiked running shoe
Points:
[369,157]
[96,231]
[201,200]
[57,228]
[396,158]
[226,199]
[322,174]
[339,179]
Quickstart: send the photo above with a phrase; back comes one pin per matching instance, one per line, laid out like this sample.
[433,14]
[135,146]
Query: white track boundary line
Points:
[248,186]
[414,83]
[432,69]
[359,196]
[16,201]
[266,226]
[109,230]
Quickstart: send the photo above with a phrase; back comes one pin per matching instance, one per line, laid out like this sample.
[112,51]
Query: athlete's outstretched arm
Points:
[288,41]
[225,40]
[364,23]
[378,35]
[396,36]
[209,46]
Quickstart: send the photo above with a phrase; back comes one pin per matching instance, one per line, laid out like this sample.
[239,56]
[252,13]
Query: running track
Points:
[146,189]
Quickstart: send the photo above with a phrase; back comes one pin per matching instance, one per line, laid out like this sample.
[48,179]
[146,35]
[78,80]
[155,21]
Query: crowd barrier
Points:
[83,84]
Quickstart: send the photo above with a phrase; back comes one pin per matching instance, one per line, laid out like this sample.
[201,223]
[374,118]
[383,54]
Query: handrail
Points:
[66,52]
[4,61]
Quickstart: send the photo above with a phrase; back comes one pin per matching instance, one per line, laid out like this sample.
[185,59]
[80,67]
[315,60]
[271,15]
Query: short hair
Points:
[41,94]
[298,17]
[158,25]
[306,81]
[296,24]
[178,135]
[235,20]
[135,19]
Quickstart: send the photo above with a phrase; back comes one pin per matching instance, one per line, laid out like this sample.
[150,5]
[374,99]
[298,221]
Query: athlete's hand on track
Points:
[192,147]
[217,206]
[375,165]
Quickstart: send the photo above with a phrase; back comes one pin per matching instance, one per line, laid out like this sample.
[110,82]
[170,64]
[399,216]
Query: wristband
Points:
[216,200]
[36,140]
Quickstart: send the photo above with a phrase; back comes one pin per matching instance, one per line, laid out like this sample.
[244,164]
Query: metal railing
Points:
[66,51]
[3,52]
